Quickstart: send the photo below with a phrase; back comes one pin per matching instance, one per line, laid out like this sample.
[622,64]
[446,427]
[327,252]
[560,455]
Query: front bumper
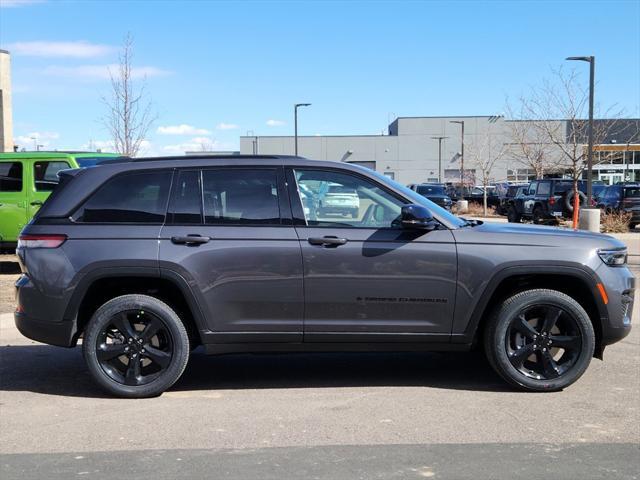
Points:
[620,285]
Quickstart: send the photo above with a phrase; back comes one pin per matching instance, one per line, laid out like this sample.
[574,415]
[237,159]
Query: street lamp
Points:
[439,156]
[592,65]
[295,122]
[461,122]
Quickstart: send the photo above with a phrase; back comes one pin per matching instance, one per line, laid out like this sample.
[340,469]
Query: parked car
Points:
[435,192]
[340,200]
[474,194]
[623,197]
[546,201]
[27,179]
[147,259]
[507,196]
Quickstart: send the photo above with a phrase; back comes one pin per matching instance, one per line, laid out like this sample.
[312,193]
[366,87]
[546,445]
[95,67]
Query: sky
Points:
[218,70]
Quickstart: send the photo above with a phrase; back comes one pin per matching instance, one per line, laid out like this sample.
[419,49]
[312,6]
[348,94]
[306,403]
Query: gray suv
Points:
[147,259]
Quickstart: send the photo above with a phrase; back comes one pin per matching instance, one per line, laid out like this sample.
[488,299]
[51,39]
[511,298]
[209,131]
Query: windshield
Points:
[415,197]
[430,190]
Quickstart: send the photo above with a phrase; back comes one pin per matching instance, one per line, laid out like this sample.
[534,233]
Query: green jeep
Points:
[27,179]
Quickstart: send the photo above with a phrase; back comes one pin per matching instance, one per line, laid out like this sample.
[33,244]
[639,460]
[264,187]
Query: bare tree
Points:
[483,152]
[558,111]
[129,113]
[529,144]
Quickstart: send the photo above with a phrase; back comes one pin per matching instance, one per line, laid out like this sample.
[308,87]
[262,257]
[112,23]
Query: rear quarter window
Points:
[129,198]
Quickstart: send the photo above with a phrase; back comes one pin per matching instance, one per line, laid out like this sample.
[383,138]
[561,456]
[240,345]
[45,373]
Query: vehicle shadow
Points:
[59,371]
[9,267]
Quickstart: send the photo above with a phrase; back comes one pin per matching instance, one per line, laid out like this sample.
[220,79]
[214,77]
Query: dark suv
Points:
[436,192]
[546,200]
[622,198]
[145,260]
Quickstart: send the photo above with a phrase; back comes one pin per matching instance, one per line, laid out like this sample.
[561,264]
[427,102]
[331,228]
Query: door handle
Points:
[327,241]
[190,240]
[36,202]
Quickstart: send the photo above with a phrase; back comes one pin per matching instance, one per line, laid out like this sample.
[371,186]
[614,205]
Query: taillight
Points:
[552,200]
[41,241]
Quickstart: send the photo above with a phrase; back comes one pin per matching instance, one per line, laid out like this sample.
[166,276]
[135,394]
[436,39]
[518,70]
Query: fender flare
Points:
[89,278]
[472,321]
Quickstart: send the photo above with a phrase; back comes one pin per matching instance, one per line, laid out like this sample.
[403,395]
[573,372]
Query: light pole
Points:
[461,122]
[439,156]
[592,66]
[295,123]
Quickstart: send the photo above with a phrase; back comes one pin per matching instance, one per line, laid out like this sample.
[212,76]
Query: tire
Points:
[568,200]
[538,216]
[159,330]
[512,215]
[571,327]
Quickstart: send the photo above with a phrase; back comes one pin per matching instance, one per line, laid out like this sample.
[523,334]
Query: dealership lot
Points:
[367,415]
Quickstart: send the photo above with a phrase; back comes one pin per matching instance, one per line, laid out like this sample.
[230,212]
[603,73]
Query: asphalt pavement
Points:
[338,416]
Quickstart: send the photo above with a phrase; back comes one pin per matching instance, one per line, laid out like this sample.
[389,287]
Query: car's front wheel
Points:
[135,346]
[540,340]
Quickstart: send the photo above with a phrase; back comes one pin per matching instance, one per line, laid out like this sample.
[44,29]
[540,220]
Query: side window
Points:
[616,193]
[532,188]
[129,198]
[544,188]
[186,199]
[10,177]
[46,175]
[337,199]
[240,197]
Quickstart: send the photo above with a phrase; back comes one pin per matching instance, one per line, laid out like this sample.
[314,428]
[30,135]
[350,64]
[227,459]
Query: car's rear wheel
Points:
[540,340]
[135,346]
[512,215]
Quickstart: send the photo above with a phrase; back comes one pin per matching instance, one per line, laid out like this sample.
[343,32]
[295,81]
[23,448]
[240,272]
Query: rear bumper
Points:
[52,333]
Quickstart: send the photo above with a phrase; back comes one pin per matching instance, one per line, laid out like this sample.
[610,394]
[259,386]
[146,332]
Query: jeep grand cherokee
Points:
[147,259]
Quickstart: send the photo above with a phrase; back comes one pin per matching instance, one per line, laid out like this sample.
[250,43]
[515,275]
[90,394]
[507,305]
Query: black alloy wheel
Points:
[543,342]
[135,347]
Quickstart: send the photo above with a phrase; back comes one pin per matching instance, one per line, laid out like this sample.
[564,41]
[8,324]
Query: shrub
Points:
[615,222]
[476,210]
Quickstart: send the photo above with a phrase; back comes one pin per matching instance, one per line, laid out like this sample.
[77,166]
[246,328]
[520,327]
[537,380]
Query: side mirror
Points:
[417,217]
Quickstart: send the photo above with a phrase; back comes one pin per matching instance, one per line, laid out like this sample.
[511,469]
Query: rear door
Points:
[529,201]
[229,235]
[13,199]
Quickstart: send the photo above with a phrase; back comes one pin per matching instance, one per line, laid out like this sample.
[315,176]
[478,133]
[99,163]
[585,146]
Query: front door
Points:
[365,277]
[13,199]
[229,235]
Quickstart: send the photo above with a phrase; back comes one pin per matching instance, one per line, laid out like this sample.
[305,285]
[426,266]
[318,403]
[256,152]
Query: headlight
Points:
[614,258]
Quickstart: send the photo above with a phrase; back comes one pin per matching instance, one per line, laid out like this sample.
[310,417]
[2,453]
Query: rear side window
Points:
[632,192]
[240,197]
[544,188]
[130,198]
[46,175]
[10,177]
